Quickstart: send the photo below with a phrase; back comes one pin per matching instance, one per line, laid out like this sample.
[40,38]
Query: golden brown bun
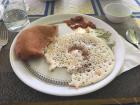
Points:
[31,42]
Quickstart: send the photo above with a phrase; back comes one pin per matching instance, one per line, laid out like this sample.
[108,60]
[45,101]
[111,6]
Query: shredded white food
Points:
[87,58]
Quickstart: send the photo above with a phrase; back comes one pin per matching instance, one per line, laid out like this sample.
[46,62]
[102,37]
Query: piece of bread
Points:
[86,57]
[32,41]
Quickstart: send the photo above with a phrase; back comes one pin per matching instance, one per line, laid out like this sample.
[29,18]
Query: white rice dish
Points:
[86,57]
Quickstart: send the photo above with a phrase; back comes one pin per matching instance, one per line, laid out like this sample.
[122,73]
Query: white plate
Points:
[32,81]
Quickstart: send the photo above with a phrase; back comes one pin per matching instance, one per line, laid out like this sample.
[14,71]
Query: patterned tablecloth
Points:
[91,7]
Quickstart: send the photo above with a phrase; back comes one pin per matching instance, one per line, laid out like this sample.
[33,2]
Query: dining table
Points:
[124,86]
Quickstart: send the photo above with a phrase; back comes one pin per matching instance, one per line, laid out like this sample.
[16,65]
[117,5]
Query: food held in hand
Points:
[32,41]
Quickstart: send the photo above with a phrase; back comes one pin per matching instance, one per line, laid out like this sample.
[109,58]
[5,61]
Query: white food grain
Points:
[87,58]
